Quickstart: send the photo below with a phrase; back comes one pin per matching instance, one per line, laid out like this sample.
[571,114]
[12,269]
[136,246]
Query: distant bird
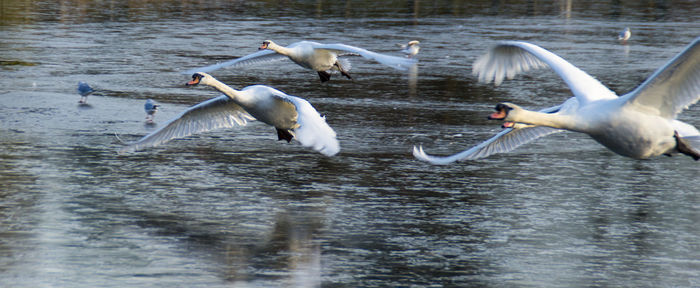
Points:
[322,58]
[84,90]
[624,35]
[150,107]
[410,49]
[292,117]
[640,124]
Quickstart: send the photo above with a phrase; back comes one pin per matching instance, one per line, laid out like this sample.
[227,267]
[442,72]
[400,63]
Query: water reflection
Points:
[413,80]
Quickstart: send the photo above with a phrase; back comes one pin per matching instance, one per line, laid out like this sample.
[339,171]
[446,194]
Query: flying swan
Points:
[639,124]
[292,117]
[322,58]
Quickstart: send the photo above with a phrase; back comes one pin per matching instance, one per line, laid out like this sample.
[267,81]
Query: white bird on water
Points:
[624,35]
[151,108]
[639,124]
[410,49]
[292,117]
[322,58]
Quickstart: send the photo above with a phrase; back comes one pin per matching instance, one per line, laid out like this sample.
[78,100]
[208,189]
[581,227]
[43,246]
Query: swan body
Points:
[410,49]
[640,124]
[292,117]
[150,107]
[84,90]
[322,58]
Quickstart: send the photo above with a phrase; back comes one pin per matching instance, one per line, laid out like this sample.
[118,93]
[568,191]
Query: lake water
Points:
[236,208]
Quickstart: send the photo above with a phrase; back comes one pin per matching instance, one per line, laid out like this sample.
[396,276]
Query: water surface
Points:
[236,208]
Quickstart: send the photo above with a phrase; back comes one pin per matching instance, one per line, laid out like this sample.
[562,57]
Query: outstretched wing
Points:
[400,63]
[505,141]
[673,87]
[220,112]
[509,58]
[250,59]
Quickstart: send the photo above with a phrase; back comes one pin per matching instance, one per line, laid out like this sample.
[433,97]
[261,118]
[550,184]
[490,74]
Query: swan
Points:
[624,35]
[292,117]
[150,107]
[640,124]
[84,90]
[322,58]
[410,49]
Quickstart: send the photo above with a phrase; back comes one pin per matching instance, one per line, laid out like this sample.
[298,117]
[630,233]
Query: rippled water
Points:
[237,208]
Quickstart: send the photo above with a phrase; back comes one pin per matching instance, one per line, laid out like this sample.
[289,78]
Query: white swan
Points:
[640,124]
[291,116]
[322,58]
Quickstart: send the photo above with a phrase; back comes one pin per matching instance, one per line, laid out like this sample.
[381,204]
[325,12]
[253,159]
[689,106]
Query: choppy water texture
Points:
[237,208]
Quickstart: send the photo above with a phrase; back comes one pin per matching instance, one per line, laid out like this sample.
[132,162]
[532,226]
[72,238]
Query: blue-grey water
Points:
[236,208]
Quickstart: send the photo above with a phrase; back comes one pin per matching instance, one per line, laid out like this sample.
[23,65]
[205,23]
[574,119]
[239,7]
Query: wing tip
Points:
[420,154]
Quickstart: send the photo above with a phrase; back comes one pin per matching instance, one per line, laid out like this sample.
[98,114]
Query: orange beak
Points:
[498,115]
[263,46]
[193,82]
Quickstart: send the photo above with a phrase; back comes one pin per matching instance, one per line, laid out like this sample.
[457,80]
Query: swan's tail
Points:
[345,63]
[313,131]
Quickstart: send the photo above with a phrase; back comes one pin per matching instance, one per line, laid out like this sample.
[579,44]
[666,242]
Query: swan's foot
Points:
[283,134]
[325,76]
[683,147]
[345,74]
[342,71]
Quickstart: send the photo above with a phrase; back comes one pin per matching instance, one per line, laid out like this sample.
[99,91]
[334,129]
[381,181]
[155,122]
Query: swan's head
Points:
[265,45]
[414,42]
[503,111]
[200,78]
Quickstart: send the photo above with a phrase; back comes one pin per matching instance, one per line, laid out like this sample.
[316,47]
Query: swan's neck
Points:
[223,88]
[544,119]
[279,49]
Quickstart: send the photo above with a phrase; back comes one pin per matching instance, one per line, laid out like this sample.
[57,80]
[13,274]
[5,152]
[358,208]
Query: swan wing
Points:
[673,87]
[262,56]
[313,131]
[216,113]
[507,59]
[400,63]
[505,141]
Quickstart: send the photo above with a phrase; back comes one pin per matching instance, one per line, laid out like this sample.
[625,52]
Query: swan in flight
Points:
[639,124]
[410,49]
[150,107]
[624,35]
[292,117]
[322,58]
[84,90]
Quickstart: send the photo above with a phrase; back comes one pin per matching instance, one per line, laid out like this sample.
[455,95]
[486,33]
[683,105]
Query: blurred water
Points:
[237,208]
